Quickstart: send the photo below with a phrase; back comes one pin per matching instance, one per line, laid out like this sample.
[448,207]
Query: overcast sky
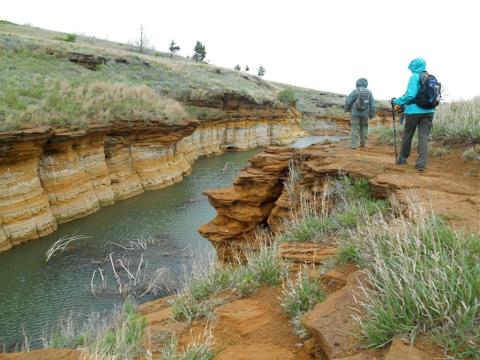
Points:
[324,45]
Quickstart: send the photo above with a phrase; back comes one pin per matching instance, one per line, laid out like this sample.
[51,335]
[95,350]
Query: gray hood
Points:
[362,82]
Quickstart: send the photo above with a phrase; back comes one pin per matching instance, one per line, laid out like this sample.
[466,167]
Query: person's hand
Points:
[398,108]
[392,101]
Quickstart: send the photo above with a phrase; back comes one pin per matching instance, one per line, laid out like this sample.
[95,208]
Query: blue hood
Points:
[417,65]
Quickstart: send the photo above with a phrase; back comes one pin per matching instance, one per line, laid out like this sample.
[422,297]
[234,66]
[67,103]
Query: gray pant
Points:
[359,129]
[424,122]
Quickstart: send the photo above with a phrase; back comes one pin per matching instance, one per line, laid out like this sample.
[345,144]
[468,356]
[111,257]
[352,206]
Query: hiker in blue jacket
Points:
[415,116]
[361,104]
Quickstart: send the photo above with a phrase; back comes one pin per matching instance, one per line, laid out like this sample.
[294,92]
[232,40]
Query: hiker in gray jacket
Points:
[361,104]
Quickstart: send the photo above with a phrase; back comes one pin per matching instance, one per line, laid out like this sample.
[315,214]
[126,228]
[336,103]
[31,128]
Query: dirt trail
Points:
[255,327]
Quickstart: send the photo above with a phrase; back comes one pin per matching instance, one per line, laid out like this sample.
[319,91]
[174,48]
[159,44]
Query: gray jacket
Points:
[350,102]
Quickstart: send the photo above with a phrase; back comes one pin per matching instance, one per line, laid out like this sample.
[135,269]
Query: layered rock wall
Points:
[48,176]
[259,197]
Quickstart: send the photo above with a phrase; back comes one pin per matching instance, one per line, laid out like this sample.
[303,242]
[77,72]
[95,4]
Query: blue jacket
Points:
[416,66]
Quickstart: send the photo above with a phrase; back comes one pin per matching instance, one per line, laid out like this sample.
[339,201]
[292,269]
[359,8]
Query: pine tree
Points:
[261,71]
[247,69]
[199,52]
[237,67]
[173,48]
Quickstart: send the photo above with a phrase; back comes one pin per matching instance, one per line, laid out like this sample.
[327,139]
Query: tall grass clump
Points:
[198,297]
[454,122]
[424,277]
[299,296]
[346,204]
[195,299]
[117,335]
[201,349]
[458,121]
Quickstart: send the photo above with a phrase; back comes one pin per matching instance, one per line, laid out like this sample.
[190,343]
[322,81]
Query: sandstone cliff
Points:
[50,176]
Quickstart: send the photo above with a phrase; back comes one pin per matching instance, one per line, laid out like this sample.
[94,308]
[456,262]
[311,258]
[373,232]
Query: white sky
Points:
[323,44]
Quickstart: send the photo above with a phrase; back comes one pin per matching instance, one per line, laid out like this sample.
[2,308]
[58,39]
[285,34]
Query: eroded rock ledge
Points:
[50,176]
[259,199]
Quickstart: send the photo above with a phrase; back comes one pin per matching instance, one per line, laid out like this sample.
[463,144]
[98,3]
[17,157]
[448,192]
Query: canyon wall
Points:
[52,176]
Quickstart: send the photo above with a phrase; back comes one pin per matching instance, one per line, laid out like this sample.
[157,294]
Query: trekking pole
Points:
[394,132]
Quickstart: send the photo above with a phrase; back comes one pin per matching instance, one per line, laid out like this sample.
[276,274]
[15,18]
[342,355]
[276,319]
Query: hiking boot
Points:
[362,145]
[401,161]
[419,168]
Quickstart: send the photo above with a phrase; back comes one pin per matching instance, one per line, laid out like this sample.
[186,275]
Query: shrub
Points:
[286,96]
[68,38]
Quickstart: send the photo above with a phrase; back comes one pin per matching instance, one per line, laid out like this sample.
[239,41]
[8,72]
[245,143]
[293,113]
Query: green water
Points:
[35,294]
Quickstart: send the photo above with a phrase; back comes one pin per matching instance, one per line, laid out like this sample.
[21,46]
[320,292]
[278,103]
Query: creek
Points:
[35,294]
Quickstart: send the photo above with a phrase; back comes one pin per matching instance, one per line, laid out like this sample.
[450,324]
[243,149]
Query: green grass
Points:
[286,96]
[454,122]
[458,122]
[347,254]
[31,57]
[199,350]
[67,38]
[300,296]
[353,205]
[424,277]
[198,297]
[117,335]
[309,228]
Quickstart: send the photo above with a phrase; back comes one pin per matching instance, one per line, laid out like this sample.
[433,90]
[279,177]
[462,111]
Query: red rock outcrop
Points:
[259,198]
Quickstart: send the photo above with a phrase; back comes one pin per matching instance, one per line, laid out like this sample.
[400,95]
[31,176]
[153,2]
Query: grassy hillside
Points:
[64,80]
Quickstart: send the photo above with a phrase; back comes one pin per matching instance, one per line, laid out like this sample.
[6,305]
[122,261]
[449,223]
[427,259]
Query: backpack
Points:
[363,99]
[429,94]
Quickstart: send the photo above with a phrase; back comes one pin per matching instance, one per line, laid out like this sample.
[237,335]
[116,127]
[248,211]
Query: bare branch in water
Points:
[62,243]
[137,282]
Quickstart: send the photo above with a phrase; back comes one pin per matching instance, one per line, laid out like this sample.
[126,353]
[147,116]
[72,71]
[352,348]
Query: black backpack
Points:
[430,91]
[363,99]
